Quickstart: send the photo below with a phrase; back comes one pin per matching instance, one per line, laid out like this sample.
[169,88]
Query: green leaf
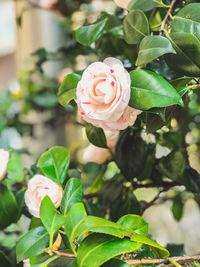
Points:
[177,207]
[4,260]
[159,250]
[187,19]
[152,47]
[187,58]
[179,82]
[32,243]
[9,210]
[149,90]
[15,168]
[136,27]
[173,165]
[72,221]
[67,90]
[115,263]
[72,194]
[54,163]
[96,135]
[51,219]
[45,100]
[86,35]
[144,5]
[134,222]
[96,249]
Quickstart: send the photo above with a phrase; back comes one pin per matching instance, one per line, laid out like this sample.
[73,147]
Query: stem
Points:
[181,259]
[166,16]
[67,255]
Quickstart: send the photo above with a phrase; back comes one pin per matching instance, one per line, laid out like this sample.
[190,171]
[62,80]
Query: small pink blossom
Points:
[38,187]
[122,3]
[105,86]
[4,157]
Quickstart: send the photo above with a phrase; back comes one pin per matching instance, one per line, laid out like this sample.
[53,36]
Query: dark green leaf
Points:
[115,263]
[179,82]
[72,194]
[136,27]
[152,47]
[159,250]
[51,219]
[144,5]
[86,35]
[54,163]
[187,58]
[96,249]
[9,210]
[187,19]
[15,168]
[177,207]
[32,243]
[67,90]
[149,90]
[4,260]
[96,136]
[134,222]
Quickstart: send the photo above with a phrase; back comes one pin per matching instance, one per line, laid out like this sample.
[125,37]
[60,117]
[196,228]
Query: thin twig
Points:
[167,185]
[181,259]
[88,196]
[166,16]
[67,255]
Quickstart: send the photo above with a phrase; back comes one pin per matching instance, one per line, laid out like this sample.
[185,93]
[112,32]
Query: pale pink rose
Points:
[26,263]
[103,94]
[48,4]
[4,157]
[39,187]
[122,3]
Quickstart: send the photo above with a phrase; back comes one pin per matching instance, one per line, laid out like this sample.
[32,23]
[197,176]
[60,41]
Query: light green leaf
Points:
[73,219]
[135,223]
[115,263]
[54,163]
[32,243]
[96,135]
[9,210]
[136,27]
[187,19]
[15,168]
[86,35]
[149,90]
[159,250]
[187,58]
[152,47]
[67,90]
[96,249]
[51,219]
[144,5]
[72,194]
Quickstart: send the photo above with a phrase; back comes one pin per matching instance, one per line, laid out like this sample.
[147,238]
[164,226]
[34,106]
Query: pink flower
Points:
[39,187]
[122,3]
[4,157]
[103,95]
[98,154]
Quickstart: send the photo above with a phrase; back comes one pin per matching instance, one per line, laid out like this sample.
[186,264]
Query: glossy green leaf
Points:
[72,221]
[186,61]
[144,5]
[159,250]
[4,260]
[115,263]
[67,90]
[179,82]
[96,249]
[86,35]
[9,210]
[148,90]
[152,47]
[177,207]
[15,167]
[135,223]
[72,194]
[173,165]
[96,136]
[187,19]
[32,243]
[136,27]
[54,163]
[51,219]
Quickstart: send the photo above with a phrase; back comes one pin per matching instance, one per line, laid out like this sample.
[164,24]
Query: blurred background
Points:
[34,37]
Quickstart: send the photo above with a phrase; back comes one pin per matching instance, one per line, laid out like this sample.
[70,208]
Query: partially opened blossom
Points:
[4,157]
[39,187]
[103,95]
[122,3]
